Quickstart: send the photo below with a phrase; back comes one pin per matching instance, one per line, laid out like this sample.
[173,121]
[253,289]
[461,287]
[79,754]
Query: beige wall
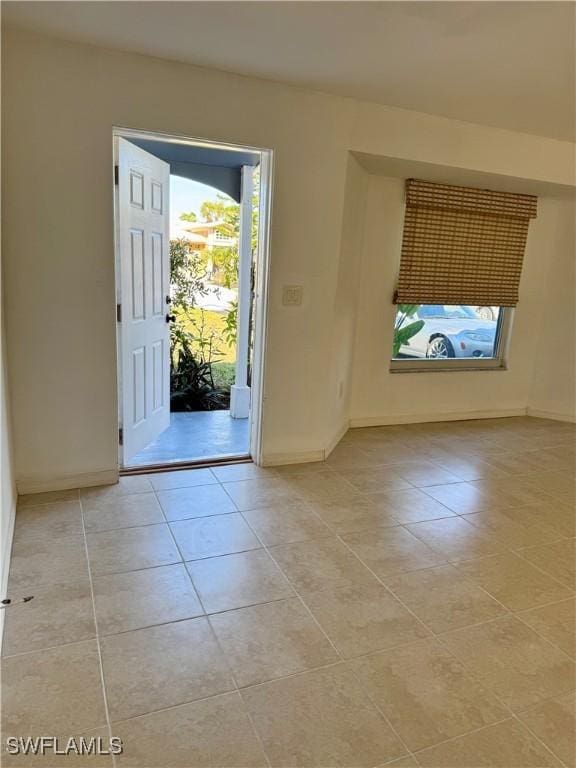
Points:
[381,397]
[553,388]
[61,101]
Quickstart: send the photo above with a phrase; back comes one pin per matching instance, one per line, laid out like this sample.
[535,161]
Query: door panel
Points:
[143,220]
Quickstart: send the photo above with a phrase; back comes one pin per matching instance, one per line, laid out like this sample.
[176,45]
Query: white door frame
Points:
[262,270]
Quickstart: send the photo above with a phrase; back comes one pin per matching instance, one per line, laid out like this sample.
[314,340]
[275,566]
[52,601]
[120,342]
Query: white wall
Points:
[7,487]
[60,102]
[7,483]
[344,314]
[553,388]
[382,397]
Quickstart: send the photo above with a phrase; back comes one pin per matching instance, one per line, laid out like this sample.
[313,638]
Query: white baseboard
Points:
[305,457]
[554,415]
[296,457]
[416,418]
[85,480]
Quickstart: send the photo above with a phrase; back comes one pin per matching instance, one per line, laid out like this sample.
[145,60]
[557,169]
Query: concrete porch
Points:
[196,436]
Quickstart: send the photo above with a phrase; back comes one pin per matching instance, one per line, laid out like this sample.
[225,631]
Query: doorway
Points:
[192,222]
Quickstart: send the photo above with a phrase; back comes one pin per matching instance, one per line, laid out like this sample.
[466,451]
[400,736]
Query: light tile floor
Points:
[410,602]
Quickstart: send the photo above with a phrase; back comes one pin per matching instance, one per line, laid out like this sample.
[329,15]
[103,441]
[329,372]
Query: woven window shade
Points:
[462,245]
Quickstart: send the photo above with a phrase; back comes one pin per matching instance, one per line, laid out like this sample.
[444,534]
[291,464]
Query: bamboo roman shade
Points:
[462,245]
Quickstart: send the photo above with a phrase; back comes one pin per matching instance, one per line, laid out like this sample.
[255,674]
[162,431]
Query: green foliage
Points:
[403,333]
[224,374]
[224,265]
[225,258]
[187,274]
[192,344]
[191,377]
[231,324]
[200,380]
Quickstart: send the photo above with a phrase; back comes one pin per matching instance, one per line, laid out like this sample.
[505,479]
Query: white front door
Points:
[144,250]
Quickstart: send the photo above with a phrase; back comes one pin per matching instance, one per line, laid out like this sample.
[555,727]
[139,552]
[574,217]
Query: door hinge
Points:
[116,175]
[118,313]
[120,436]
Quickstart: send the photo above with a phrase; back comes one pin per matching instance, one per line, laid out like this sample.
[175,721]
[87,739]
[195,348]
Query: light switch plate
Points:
[292,295]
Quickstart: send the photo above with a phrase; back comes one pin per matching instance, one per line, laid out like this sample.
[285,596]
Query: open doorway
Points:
[192,221]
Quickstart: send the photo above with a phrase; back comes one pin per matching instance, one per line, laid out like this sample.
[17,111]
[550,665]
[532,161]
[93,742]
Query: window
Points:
[465,246]
[441,336]
[222,236]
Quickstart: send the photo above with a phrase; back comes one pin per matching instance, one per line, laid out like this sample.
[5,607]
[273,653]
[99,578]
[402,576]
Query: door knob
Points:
[170,318]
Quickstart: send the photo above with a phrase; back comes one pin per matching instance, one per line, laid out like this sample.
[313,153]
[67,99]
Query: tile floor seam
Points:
[209,698]
[388,589]
[98,644]
[201,700]
[48,648]
[455,738]
[223,554]
[535,735]
[126,527]
[475,676]
[570,598]
[454,561]
[545,639]
[345,661]
[153,626]
[468,670]
[339,655]
[489,508]
[546,573]
[136,570]
[133,570]
[182,703]
[187,571]
[431,634]
[516,614]
[366,496]
[517,550]
[238,691]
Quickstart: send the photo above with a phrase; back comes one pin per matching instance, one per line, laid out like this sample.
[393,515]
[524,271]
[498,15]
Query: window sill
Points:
[443,368]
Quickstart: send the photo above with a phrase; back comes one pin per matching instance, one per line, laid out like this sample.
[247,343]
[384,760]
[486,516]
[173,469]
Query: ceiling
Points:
[217,167]
[505,64]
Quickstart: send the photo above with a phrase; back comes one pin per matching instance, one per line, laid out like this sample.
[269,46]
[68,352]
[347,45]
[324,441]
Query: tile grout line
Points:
[476,676]
[433,634]
[508,611]
[395,597]
[334,533]
[538,568]
[213,633]
[469,671]
[339,655]
[513,715]
[98,644]
[205,617]
[238,691]
[469,733]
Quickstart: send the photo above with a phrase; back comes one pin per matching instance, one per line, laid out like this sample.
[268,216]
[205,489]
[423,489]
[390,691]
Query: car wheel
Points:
[485,313]
[439,347]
